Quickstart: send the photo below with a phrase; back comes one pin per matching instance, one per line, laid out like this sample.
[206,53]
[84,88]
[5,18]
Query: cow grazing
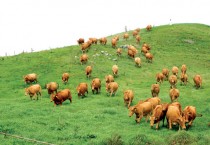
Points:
[33,90]
[155,89]
[135,33]
[165,72]
[114,42]
[184,69]
[159,77]
[96,85]
[155,101]
[132,51]
[103,40]
[174,94]
[158,114]
[119,51]
[144,50]
[61,96]
[128,97]
[175,70]
[109,78]
[52,87]
[80,41]
[93,40]
[147,46]
[30,78]
[149,57]
[65,77]
[189,113]
[138,39]
[88,71]
[141,110]
[173,81]
[112,88]
[174,116]
[83,58]
[126,36]
[149,27]
[197,81]
[137,61]
[85,46]
[115,70]
[184,79]
[178,105]
[82,88]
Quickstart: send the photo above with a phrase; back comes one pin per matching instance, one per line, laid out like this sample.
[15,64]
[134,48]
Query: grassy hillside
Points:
[100,119]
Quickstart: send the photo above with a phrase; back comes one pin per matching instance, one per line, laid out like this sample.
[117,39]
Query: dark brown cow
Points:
[80,41]
[61,96]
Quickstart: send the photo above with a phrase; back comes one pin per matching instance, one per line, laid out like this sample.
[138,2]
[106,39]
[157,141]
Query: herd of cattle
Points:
[151,107]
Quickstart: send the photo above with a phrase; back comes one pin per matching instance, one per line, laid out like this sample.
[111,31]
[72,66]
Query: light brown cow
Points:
[33,90]
[65,77]
[155,89]
[141,110]
[184,79]
[109,78]
[138,30]
[93,40]
[144,50]
[88,71]
[190,115]
[149,27]
[126,36]
[165,72]
[61,96]
[173,81]
[147,46]
[138,39]
[112,88]
[30,78]
[174,116]
[155,101]
[159,77]
[135,33]
[119,51]
[96,85]
[83,58]
[85,46]
[184,69]
[132,51]
[149,57]
[52,87]
[137,61]
[174,94]
[178,105]
[197,81]
[82,88]
[175,70]
[103,40]
[80,41]
[114,42]
[158,114]
[128,97]
[115,70]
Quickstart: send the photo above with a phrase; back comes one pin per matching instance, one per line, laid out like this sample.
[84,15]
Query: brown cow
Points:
[109,78]
[184,79]
[80,41]
[173,81]
[174,116]
[114,42]
[184,69]
[149,57]
[165,72]
[52,87]
[65,77]
[138,39]
[137,61]
[83,58]
[82,88]
[115,70]
[144,50]
[61,96]
[93,40]
[135,33]
[30,78]
[141,110]
[128,97]
[112,88]
[132,51]
[126,36]
[119,51]
[96,85]
[175,70]
[33,90]
[103,40]
[155,101]
[190,115]
[197,81]
[178,105]
[146,45]
[149,27]
[159,77]
[174,94]
[159,114]
[155,89]
[138,30]
[88,71]
[85,46]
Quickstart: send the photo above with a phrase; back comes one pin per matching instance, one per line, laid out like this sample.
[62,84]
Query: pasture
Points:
[99,118]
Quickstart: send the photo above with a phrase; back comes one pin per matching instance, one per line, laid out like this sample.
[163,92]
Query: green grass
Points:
[100,119]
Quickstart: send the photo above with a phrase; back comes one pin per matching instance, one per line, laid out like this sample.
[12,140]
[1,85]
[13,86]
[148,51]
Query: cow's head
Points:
[26,91]
[152,120]
[52,97]
[132,110]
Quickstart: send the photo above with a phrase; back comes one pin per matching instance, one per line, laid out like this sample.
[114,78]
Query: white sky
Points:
[45,24]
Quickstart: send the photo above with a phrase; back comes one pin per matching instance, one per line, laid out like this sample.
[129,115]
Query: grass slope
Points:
[100,119]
